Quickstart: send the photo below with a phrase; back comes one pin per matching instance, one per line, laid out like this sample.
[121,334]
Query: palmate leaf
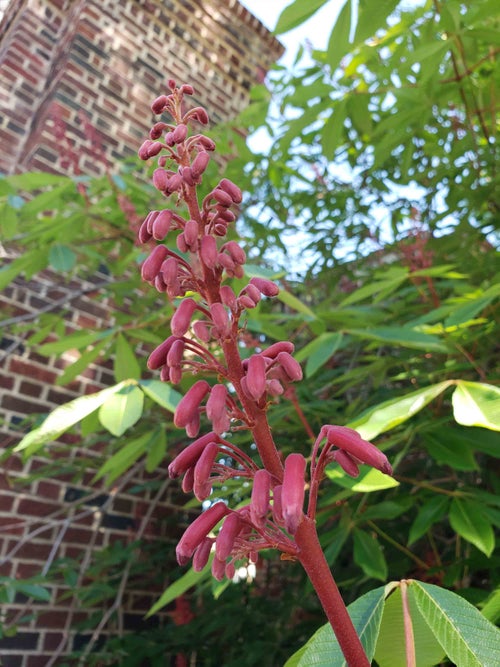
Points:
[468,639]
[63,418]
[122,409]
[468,520]
[477,404]
[323,650]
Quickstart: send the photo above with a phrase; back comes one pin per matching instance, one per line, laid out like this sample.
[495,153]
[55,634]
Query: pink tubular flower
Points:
[293,491]
[282,346]
[227,534]
[232,190]
[346,462]
[208,251]
[188,407]
[348,439]
[202,554]
[220,319]
[202,486]
[259,506]
[256,376]
[291,367]
[158,356]
[189,456]
[216,408]
[181,319]
[152,264]
[266,287]
[196,532]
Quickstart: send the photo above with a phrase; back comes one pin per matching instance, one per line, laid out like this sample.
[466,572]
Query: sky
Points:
[316,29]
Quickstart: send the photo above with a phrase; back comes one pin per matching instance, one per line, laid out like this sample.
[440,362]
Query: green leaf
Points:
[8,221]
[74,369]
[468,520]
[368,555]
[296,13]
[122,409]
[319,351]
[157,450]
[184,583]
[395,411]
[338,43]
[162,393]
[430,513]
[472,307]
[125,364]
[61,257]
[323,650]
[295,304]
[367,482]
[125,457]
[448,450]
[35,180]
[391,646]
[477,404]
[63,418]
[465,635]
[33,591]
[383,288]
[331,134]
[491,608]
[372,16]
[404,336]
[76,340]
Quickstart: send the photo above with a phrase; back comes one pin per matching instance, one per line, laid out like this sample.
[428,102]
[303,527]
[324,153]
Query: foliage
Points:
[382,160]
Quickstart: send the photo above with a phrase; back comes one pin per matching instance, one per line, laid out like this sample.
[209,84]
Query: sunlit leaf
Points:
[296,13]
[161,393]
[477,404]
[122,409]
[125,364]
[369,479]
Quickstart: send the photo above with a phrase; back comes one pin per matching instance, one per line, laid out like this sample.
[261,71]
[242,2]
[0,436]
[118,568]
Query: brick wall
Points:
[92,68]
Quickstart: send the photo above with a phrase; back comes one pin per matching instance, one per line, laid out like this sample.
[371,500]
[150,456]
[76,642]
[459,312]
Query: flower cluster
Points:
[208,314]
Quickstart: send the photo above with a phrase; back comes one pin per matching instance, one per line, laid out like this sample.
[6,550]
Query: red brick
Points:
[34,551]
[21,367]
[52,640]
[52,490]
[32,507]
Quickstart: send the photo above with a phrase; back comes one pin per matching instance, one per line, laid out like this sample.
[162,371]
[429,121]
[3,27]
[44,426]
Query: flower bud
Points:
[216,402]
[174,356]
[245,302]
[160,179]
[190,455]
[290,365]
[199,164]
[159,104]
[191,234]
[252,292]
[232,190]
[224,541]
[150,218]
[274,387]
[158,356]
[193,426]
[201,330]
[180,133]
[181,243]
[266,287]
[256,376]
[169,270]
[154,148]
[188,480]
[220,318]
[143,151]
[202,554]
[196,532]
[162,225]
[346,462]
[187,176]
[202,485]
[235,251]
[181,319]
[144,235]
[152,264]
[228,297]
[199,114]
[189,405]
[208,251]
[259,505]
[157,130]
[174,183]
[221,197]
[186,89]
[282,346]
[348,439]
[218,569]
[277,505]
[225,261]
[293,491]
[207,143]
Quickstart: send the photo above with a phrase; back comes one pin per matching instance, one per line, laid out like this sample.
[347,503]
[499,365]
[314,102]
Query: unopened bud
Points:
[208,251]
[235,251]
[218,569]
[228,297]
[152,264]
[259,505]
[199,164]
[190,455]
[290,365]
[202,470]
[201,330]
[282,346]
[293,491]
[196,532]
[232,190]
[221,197]
[220,318]
[347,438]
[227,534]
[159,104]
[162,225]
[181,319]
[158,356]
[189,405]
[256,376]
[160,179]
[191,234]
[180,133]
[277,505]
[266,287]
[346,462]
[202,554]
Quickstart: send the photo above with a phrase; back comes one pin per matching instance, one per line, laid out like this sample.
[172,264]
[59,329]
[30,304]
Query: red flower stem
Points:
[314,563]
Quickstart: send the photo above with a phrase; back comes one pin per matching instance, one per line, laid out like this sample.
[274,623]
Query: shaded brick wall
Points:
[83,65]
